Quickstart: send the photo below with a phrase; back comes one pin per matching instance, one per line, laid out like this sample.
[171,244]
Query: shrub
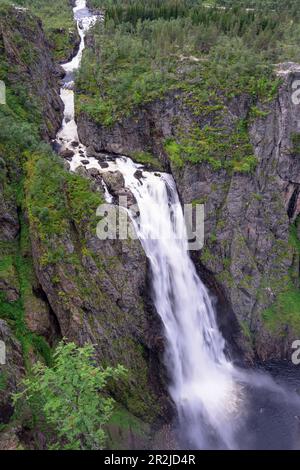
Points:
[67,400]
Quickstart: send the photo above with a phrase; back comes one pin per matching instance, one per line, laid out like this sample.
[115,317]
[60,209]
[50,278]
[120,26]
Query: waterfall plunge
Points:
[202,385]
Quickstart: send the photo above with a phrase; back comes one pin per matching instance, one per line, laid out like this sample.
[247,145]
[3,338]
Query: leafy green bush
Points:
[67,401]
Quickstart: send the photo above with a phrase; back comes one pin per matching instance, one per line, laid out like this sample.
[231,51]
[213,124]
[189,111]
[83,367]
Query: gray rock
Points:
[68,154]
[12,371]
[114,181]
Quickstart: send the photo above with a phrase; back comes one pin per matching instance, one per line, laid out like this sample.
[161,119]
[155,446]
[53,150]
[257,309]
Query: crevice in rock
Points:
[292,205]
[56,333]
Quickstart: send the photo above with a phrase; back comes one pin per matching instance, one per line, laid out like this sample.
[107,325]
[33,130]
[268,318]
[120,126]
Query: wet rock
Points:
[101,157]
[126,198]
[114,181]
[90,152]
[67,165]
[85,162]
[68,154]
[82,171]
[93,172]
[56,146]
[138,174]
[75,144]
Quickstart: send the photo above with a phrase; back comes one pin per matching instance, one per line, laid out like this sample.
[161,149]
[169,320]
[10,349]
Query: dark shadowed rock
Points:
[68,154]
[12,371]
[93,172]
[138,174]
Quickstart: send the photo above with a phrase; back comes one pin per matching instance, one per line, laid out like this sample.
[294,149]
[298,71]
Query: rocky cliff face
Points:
[99,291]
[251,253]
[11,371]
[30,66]
[32,89]
[57,279]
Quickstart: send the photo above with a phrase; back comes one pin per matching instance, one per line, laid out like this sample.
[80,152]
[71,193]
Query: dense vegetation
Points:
[132,10]
[67,401]
[19,134]
[57,18]
[147,48]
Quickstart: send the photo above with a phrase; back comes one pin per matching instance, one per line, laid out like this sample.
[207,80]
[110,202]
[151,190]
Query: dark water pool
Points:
[272,417]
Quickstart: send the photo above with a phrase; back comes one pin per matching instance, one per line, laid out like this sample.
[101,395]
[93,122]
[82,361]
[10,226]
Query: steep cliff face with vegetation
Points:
[33,109]
[185,86]
[57,279]
[58,24]
[194,89]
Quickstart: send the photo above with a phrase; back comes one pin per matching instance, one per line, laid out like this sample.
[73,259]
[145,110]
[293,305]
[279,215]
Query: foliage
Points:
[54,197]
[220,147]
[146,49]
[57,18]
[16,268]
[69,397]
[147,159]
[284,311]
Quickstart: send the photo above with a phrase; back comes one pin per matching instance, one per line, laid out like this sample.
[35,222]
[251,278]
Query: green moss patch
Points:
[220,147]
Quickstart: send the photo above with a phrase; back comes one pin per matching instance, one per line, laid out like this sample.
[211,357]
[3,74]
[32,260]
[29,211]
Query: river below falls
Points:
[273,421]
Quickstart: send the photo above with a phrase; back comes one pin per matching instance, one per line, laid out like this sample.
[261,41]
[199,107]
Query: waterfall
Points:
[201,386]
[210,394]
[67,137]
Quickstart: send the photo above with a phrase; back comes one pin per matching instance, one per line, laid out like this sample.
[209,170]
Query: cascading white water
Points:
[202,386]
[209,392]
[67,137]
